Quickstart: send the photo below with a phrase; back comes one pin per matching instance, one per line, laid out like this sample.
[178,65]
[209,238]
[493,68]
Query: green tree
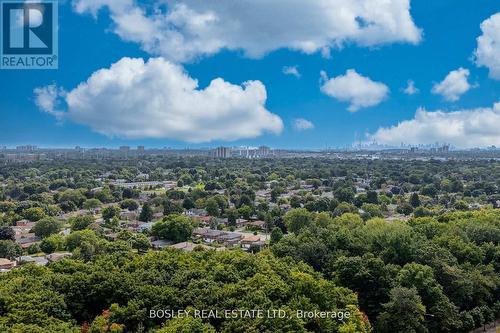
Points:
[112,224]
[371,210]
[276,235]
[9,249]
[52,243]
[84,244]
[129,204]
[177,228]
[7,206]
[170,207]
[137,241]
[442,314]
[467,322]
[212,207]
[421,212]
[141,242]
[104,195]
[298,219]
[46,227]
[323,220]
[404,313]
[344,194]
[245,211]
[34,214]
[404,208]
[34,248]
[77,238]
[349,220]
[188,203]
[7,233]
[461,205]
[81,222]
[372,197]
[368,276]
[415,200]
[343,208]
[76,197]
[104,324]
[232,216]
[146,213]
[91,204]
[109,212]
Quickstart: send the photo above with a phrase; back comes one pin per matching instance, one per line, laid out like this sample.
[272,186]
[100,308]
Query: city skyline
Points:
[226,150]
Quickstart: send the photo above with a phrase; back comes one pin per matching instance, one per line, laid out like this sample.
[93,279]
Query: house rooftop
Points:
[184,246]
[200,231]
[37,260]
[214,233]
[5,261]
[230,235]
[57,256]
[161,243]
[251,239]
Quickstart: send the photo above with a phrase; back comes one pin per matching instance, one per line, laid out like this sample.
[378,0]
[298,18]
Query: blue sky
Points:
[448,42]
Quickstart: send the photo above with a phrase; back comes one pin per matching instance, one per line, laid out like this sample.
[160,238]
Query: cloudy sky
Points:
[294,74]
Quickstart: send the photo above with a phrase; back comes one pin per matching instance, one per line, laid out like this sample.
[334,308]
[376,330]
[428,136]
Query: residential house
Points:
[39,261]
[22,223]
[23,227]
[208,235]
[251,240]
[230,238]
[189,246]
[26,240]
[200,232]
[111,236]
[6,264]
[241,222]
[212,236]
[161,244]
[157,216]
[203,220]
[196,212]
[257,224]
[132,225]
[58,256]
[128,215]
[145,226]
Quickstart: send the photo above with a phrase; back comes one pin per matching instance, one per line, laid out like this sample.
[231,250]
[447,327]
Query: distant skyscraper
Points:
[263,151]
[124,150]
[27,148]
[222,152]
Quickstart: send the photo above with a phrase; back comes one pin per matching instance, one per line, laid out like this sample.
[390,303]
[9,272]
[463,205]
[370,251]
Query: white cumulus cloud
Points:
[301,124]
[187,29]
[487,53]
[47,99]
[157,99]
[292,70]
[410,88]
[358,90]
[464,128]
[454,85]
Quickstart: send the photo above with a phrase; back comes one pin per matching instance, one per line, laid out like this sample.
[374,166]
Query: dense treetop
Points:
[403,245]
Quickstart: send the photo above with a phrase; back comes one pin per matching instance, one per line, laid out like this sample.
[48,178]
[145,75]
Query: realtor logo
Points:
[28,34]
